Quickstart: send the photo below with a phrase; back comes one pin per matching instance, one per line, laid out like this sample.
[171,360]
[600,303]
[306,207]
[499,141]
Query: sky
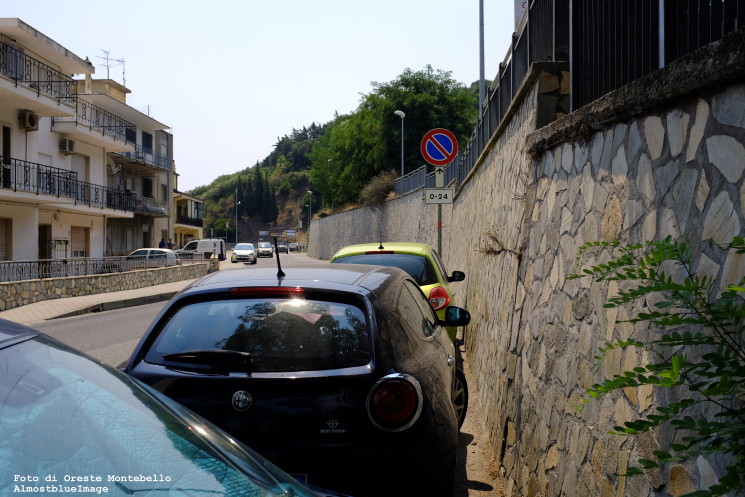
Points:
[231,77]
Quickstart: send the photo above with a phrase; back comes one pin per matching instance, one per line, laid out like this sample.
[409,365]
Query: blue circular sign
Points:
[439,147]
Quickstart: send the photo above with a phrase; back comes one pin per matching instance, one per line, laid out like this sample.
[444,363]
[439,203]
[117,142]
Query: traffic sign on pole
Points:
[439,147]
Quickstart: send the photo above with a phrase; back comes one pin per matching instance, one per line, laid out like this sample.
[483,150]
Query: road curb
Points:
[118,304]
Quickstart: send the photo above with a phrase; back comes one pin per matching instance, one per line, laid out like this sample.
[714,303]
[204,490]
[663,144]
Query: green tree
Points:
[355,148]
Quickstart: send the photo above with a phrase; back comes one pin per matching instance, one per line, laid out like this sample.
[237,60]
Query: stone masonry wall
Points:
[662,156]
[17,293]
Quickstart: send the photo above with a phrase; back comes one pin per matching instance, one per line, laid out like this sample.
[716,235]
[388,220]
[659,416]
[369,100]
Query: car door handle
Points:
[451,360]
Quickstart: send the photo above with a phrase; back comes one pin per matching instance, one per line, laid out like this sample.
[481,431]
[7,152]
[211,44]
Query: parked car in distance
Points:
[294,247]
[65,414]
[341,374]
[264,249]
[199,249]
[282,247]
[244,252]
[423,264]
[151,257]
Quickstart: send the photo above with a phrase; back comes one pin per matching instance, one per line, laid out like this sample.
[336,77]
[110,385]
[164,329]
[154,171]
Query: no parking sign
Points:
[439,147]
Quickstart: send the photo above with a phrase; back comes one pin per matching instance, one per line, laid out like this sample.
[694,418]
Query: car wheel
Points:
[233,262]
[460,396]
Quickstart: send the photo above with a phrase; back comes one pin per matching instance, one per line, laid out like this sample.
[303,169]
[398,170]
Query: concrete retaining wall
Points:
[663,156]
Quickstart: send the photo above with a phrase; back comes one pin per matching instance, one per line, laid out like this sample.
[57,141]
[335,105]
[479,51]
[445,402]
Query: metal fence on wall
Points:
[612,44]
[87,266]
[543,35]
[615,43]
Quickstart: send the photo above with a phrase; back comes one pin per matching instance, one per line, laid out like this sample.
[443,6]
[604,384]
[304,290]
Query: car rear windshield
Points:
[279,334]
[417,266]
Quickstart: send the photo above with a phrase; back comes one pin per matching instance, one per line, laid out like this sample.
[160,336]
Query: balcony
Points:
[189,221]
[143,155]
[97,125]
[28,83]
[62,187]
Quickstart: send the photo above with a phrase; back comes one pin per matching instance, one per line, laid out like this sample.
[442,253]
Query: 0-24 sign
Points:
[438,196]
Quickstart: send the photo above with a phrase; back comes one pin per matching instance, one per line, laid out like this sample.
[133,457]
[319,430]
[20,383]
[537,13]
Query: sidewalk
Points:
[73,306]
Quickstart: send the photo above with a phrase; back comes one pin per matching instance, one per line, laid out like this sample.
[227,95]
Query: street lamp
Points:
[310,208]
[401,114]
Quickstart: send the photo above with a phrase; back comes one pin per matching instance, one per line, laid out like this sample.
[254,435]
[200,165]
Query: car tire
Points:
[460,396]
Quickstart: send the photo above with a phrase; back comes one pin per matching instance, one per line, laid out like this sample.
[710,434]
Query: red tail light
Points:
[439,298]
[395,402]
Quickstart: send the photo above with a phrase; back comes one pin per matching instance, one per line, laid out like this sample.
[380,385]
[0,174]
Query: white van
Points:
[204,248]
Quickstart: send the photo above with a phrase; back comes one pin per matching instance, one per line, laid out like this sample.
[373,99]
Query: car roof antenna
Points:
[381,243]
[280,273]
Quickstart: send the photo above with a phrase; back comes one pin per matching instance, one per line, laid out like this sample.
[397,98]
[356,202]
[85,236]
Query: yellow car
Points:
[418,259]
[424,265]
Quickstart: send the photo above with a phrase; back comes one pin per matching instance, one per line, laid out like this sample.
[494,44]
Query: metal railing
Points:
[147,156]
[612,44]
[25,176]
[100,120]
[85,266]
[619,42]
[189,221]
[150,206]
[34,74]
[543,35]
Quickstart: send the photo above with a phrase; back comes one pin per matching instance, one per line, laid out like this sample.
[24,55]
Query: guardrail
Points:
[86,266]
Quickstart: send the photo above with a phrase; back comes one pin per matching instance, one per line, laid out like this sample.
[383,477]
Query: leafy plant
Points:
[697,348]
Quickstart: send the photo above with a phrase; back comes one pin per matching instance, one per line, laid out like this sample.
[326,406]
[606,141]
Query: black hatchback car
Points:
[71,425]
[342,375]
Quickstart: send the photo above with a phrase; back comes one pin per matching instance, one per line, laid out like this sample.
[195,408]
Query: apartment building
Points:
[82,174]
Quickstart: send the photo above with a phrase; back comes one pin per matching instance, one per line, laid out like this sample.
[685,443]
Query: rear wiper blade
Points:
[232,360]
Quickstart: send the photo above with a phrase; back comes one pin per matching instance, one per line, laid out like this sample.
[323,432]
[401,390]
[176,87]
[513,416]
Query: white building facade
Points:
[82,174]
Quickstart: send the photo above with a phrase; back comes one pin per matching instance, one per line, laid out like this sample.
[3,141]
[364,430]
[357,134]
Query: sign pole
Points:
[439,228]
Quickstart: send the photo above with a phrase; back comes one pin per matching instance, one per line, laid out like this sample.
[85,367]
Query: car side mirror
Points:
[457,276]
[456,316]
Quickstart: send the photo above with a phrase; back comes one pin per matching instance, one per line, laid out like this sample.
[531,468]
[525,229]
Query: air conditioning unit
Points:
[67,146]
[28,120]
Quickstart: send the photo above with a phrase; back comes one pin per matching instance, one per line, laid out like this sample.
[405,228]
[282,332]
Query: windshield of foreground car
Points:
[417,266]
[63,415]
[244,246]
[271,334]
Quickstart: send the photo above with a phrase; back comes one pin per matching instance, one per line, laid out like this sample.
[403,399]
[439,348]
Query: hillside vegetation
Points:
[353,159]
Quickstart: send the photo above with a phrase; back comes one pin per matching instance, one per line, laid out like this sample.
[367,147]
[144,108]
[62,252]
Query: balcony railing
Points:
[100,120]
[34,74]
[150,206]
[24,176]
[147,156]
[190,221]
